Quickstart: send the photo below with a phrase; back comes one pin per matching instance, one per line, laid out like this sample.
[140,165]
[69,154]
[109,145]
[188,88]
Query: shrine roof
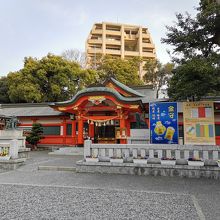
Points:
[124,87]
[98,91]
[28,109]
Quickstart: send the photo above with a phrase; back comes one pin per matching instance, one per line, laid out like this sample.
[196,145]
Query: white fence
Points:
[151,151]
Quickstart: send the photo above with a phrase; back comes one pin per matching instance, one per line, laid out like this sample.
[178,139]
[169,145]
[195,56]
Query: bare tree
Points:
[75,55]
[158,75]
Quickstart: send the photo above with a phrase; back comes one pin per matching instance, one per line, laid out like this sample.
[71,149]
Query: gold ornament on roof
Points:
[61,108]
[96,100]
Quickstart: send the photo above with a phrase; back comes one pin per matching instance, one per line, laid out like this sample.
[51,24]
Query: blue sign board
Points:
[163,123]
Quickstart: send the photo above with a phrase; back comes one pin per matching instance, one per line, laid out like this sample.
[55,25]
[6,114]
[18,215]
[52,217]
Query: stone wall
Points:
[212,172]
[7,135]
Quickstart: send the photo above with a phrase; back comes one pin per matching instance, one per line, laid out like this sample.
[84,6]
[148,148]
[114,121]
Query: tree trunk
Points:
[157,94]
[33,147]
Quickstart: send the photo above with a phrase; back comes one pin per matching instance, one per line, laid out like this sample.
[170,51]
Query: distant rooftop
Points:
[28,109]
[147,91]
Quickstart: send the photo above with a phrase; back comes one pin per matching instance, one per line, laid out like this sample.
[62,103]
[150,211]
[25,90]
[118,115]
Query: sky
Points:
[38,27]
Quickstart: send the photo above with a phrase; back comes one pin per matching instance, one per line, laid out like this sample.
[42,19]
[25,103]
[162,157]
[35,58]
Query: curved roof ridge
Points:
[126,88]
[97,89]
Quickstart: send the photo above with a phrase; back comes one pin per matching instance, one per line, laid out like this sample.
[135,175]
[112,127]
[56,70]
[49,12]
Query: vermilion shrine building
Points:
[107,113]
[103,113]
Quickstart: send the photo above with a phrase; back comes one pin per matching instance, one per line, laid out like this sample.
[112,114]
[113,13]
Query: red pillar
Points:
[148,122]
[73,132]
[64,131]
[128,127]
[122,126]
[34,121]
[80,131]
[91,131]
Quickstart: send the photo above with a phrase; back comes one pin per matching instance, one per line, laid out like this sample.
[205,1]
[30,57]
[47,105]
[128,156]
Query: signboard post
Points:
[163,123]
[199,123]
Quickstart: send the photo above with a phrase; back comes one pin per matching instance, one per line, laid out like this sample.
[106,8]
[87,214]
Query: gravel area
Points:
[44,202]
[28,193]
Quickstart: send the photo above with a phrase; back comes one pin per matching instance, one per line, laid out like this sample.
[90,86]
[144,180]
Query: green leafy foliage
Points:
[4,98]
[194,79]
[125,71]
[55,78]
[35,135]
[49,79]
[199,36]
[196,43]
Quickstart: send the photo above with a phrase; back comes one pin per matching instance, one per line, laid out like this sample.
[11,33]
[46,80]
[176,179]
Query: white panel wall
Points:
[49,121]
[140,133]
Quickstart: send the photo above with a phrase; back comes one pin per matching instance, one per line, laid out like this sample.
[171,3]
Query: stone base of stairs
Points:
[69,151]
[12,164]
[57,168]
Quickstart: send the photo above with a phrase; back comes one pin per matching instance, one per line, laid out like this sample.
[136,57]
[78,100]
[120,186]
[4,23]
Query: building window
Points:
[181,131]
[140,122]
[217,130]
[69,129]
[51,130]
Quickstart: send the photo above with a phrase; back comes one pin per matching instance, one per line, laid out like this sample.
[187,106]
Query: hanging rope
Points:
[101,122]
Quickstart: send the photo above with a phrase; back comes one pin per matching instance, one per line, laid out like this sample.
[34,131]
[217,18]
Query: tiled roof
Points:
[28,110]
[126,88]
[98,90]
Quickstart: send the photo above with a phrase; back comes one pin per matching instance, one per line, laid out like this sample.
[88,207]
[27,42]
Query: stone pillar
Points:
[140,41]
[122,42]
[80,131]
[140,45]
[13,150]
[103,38]
[87,147]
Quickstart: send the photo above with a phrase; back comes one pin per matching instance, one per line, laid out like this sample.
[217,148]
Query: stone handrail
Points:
[210,152]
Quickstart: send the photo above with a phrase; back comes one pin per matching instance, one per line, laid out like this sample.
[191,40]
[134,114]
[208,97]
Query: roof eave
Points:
[97,92]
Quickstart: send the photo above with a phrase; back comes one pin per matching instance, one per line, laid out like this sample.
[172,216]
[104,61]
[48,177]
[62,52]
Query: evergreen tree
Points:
[125,71]
[4,98]
[35,135]
[196,52]
[50,79]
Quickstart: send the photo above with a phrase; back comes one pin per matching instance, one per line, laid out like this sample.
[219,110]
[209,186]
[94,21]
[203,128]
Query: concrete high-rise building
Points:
[119,40]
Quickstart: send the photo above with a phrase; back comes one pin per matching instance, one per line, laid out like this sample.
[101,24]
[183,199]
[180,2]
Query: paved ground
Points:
[28,193]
